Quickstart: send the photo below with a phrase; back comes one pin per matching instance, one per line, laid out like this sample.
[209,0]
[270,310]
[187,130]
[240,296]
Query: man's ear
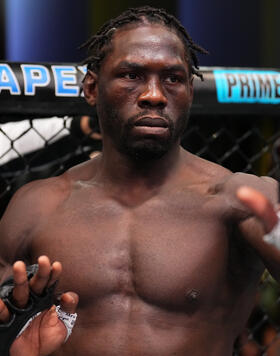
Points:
[90,87]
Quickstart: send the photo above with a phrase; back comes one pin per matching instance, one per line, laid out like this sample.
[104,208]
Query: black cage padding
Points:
[40,89]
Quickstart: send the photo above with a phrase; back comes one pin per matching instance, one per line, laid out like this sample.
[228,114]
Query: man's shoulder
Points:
[220,180]
[44,195]
[266,185]
[41,193]
[207,170]
[86,170]
[30,204]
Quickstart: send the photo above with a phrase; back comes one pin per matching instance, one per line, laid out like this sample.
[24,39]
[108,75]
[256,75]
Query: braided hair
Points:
[98,48]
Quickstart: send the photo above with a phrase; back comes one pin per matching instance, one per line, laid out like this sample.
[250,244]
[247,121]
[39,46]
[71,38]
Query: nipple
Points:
[192,295]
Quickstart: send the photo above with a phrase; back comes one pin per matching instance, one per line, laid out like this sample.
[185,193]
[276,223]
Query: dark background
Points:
[242,33]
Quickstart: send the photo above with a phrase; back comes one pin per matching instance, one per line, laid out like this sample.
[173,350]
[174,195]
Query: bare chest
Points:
[163,251]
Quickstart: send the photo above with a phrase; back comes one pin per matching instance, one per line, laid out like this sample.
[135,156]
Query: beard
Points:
[141,148]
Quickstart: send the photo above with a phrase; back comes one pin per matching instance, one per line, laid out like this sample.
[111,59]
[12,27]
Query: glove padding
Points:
[20,317]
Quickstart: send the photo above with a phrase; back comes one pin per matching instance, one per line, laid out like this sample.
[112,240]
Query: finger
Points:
[41,278]
[69,302]
[56,271]
[51,317]
[259,205]
[4,313]
[21,288]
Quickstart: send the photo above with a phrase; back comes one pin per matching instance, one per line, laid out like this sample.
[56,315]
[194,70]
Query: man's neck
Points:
[137,180]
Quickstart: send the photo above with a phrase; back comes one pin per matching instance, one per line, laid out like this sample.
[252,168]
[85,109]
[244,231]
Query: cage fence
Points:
[240,138]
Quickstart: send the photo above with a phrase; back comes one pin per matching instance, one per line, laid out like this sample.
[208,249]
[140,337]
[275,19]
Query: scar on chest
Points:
[192,295]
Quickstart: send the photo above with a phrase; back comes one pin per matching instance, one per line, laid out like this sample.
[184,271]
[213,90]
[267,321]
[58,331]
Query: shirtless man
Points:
[165,258]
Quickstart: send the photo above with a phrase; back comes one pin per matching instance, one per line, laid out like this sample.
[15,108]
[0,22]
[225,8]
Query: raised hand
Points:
[46,333]
[259,205]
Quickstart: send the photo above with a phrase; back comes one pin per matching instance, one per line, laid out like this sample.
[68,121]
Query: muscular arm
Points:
[46,333]
[29,206]
[253,216]
[265,212]
[14,227]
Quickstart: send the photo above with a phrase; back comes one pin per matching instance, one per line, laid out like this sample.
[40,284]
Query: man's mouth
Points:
[150,121]
[151,126]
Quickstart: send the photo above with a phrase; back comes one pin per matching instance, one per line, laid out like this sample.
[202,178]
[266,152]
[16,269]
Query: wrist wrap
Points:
[20,317]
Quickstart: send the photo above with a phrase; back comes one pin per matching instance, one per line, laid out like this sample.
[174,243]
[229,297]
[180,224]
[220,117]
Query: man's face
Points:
[144,91]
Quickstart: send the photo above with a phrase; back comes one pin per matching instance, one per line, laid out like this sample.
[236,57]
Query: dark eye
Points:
[172,79]
[131,76]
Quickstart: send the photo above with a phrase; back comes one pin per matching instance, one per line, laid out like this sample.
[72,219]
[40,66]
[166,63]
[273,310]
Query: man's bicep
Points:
[14,225]
[9,245]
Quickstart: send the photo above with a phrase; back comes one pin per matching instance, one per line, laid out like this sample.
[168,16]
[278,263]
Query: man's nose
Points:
[152,95]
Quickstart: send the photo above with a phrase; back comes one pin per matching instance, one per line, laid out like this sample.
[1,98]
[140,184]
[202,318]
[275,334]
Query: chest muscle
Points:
[162,251]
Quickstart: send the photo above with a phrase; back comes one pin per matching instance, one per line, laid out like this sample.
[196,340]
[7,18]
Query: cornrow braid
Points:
[98,48]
